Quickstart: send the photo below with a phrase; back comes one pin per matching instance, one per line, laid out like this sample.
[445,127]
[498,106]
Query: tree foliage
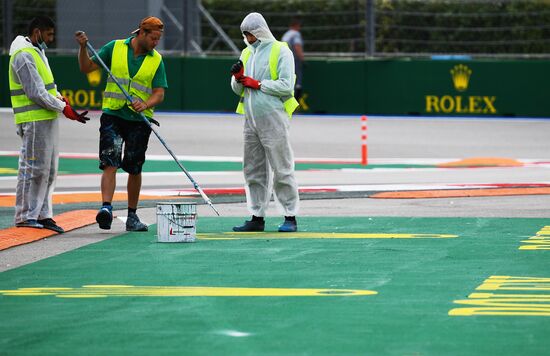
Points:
[402,26]
[339,26]
[22,13]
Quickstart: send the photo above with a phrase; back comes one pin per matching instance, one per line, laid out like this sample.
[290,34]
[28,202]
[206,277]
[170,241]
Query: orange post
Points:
[364,149]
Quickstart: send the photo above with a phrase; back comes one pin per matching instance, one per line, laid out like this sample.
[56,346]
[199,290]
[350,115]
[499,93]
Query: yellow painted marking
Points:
[515,283]
[81,296]
[100,291]
[317,235]
[500,311]
[516,304]
[540,241]
[4,170]
[509,297]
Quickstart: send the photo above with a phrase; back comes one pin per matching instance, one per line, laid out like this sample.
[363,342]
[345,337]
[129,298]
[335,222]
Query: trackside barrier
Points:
[410,87]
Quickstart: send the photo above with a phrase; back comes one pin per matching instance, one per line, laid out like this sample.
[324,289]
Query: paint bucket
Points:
[176,222]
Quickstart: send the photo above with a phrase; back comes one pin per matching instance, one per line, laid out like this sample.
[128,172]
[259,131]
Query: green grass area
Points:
[9,164]
[416,281]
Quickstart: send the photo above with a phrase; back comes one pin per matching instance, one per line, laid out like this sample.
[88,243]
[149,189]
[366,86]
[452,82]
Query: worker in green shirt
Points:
[140,69]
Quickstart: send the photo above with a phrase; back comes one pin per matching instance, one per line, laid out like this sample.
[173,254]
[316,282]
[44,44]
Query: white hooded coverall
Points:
[38,159]
[268,160]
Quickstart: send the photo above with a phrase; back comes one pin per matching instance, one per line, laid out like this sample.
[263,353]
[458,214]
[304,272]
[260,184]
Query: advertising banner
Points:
[497,88]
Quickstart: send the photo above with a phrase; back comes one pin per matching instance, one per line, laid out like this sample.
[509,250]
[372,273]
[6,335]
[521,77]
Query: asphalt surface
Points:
[418,140]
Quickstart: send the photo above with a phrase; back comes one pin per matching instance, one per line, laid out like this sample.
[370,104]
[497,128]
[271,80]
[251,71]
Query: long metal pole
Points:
[7,9]
[370,35]
[129,98]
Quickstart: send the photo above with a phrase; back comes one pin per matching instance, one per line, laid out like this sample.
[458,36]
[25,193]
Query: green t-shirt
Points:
[134,63]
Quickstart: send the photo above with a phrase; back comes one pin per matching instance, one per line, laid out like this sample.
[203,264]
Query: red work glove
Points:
[249,82]
[70,113]
[238,70]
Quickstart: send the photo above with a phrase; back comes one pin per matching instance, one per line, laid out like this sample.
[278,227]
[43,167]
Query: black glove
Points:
[238,70]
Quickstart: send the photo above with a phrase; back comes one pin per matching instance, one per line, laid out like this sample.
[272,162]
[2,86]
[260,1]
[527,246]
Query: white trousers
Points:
[268,165]
[38,163]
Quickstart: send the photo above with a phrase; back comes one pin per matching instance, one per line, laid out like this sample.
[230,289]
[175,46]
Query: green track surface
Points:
[84,166]
[416,279]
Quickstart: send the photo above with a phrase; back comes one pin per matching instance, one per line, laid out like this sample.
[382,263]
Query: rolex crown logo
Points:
[461,76]
[94,78]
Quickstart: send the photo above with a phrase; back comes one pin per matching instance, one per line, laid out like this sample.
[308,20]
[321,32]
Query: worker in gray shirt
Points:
[36,103]
[294,39]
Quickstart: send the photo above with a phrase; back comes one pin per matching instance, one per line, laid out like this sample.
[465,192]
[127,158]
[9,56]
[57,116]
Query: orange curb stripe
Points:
[9,200]
[490,192]
[483,162]
[15,236]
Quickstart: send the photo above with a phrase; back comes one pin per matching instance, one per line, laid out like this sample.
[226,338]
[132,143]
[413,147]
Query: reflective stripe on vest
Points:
[24,109]
[139,87]
[289,102]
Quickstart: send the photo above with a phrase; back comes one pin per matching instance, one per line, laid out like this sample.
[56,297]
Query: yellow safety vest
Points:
[290,103]
[141,85]
[25,109]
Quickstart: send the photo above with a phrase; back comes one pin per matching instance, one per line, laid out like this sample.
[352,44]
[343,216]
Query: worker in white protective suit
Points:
[264,79]
[36,103]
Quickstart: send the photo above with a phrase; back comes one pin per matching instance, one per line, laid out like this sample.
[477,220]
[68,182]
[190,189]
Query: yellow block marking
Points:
[4,170]
[316,235]
[540,241]
[509,304]
[102,291]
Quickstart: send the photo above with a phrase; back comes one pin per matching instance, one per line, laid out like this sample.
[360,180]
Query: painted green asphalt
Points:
[417,281]
[9,164]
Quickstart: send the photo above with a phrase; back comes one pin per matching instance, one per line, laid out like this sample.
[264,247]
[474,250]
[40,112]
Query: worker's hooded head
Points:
[256,25]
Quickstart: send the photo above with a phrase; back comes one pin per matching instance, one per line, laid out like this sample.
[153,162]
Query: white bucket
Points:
[176,222]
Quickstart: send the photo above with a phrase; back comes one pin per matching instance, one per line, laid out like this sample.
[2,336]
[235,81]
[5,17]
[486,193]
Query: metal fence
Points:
[343,28]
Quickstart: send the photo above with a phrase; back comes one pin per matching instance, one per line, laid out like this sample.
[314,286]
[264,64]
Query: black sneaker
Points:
[133,223]
[104,218]
[50,224]
[250,225]
[30,223]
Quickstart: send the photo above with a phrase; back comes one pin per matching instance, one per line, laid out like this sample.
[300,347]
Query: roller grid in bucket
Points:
[176,222]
